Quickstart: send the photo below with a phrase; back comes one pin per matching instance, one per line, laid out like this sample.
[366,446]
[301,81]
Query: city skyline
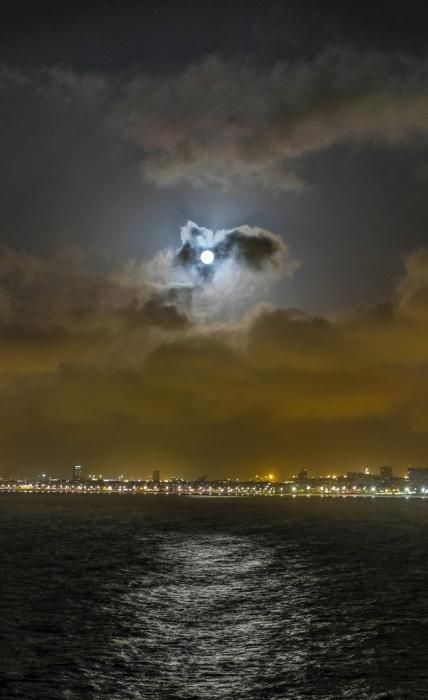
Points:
[384,484]
[85,473]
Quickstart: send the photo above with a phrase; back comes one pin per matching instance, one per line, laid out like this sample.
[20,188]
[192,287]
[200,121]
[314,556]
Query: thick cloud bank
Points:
[108,371]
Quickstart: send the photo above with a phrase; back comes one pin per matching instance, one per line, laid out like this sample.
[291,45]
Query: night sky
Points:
[306,346]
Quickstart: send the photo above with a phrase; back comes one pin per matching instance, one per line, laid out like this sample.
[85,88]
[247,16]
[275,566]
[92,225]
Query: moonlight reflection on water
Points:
[161,598]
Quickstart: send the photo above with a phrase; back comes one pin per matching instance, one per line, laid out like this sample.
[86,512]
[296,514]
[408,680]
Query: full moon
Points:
[207,257]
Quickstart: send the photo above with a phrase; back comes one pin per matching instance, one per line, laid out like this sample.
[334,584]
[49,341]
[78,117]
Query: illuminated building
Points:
[77,472]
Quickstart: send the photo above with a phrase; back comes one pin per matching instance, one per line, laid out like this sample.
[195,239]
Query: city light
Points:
[355,484]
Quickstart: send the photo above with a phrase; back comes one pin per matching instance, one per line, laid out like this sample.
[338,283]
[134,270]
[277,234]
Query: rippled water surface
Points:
[173,597]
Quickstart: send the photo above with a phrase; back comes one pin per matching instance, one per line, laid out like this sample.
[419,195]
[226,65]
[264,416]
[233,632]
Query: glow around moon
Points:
[207,257]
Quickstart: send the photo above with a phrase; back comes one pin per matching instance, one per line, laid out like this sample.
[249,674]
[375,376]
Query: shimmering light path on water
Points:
[164,598]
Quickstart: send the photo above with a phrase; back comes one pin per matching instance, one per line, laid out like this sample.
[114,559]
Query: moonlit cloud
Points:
[247,260]
[253,248]
[218,124]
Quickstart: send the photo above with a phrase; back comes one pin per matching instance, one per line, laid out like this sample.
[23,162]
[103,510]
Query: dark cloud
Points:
[155,312]
[218,123]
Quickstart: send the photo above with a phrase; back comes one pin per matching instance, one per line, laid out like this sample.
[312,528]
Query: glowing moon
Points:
[207,257]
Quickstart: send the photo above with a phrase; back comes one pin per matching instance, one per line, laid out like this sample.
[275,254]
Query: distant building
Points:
[386,472]
[156,476]
[363,479]
[77,472]
[418,476]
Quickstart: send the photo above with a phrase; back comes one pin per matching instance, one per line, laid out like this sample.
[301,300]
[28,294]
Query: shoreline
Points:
[60,492]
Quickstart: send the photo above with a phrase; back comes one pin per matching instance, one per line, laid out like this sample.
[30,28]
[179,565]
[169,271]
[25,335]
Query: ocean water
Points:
[183,597]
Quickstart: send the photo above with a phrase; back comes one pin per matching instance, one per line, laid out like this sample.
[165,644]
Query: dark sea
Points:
[164,597]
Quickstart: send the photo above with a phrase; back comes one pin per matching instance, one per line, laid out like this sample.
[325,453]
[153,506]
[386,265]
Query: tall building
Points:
[77,472]
[386,472]
[418,476]
[156,475]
